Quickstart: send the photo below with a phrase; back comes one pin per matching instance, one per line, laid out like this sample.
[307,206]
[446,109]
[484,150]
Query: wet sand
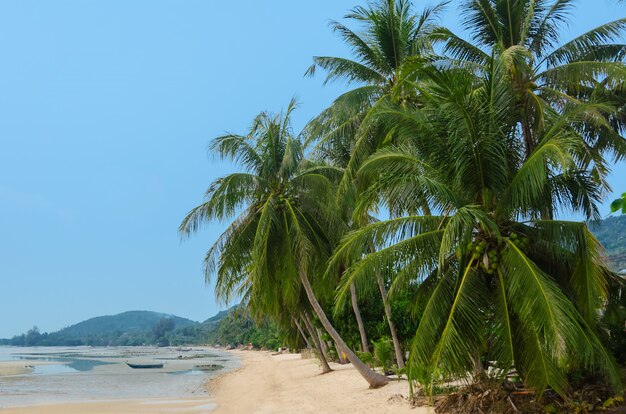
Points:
[156,406]
[97,380]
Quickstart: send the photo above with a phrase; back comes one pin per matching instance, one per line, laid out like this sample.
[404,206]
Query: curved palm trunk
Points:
[392,327]
[323,343]
[306,339]
[359,320]
[342,360]
[320,354]
[374,379]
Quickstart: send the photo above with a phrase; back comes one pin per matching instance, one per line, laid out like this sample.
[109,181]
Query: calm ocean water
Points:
[73,374]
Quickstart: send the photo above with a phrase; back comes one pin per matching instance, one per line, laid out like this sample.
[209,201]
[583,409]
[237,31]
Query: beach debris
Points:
[397,399]
[491,397]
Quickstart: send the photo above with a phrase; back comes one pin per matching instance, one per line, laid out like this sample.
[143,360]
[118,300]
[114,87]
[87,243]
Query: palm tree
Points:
[500,284]
[285,307]
[285,223]
[394,41]
[547,71]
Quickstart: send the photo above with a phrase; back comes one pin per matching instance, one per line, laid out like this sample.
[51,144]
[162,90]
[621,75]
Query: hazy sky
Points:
[106,109]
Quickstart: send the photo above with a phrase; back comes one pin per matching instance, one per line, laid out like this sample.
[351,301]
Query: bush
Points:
[383,353]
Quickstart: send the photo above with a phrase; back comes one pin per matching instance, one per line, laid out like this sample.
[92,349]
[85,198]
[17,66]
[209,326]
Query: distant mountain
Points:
[215,320]
[125,329]
[612,234]
[127,322]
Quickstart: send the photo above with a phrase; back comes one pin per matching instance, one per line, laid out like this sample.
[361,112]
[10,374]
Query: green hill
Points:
[128,322]
[213,321]
[124,329]
[612,234]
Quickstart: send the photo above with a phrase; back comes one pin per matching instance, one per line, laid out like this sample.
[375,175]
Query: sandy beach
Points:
[265,384]
[288,384]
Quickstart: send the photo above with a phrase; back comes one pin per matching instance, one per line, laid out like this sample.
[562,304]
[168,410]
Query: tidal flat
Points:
[56,375]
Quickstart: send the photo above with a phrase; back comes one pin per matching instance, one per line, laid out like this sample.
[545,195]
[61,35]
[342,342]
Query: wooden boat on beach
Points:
[144,366]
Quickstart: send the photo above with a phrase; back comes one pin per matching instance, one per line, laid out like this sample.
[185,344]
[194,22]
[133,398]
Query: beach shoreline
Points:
[98,380]
[263,383]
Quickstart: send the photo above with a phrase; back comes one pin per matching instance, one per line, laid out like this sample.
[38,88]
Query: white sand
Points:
[289,384]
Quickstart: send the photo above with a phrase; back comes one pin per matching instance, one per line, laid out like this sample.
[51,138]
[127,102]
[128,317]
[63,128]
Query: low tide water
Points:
[30,376]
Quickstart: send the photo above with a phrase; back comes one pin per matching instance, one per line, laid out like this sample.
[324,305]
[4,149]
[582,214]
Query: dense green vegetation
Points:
[238,328]
[423,204]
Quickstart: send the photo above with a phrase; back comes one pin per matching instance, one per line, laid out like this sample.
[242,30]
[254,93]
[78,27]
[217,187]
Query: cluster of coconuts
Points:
[489,253]
[521,242]
[283,199]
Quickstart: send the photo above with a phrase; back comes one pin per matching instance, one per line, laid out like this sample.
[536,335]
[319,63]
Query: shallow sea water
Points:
[73,374]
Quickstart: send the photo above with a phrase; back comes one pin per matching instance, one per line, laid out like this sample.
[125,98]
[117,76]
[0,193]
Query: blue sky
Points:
[106,109]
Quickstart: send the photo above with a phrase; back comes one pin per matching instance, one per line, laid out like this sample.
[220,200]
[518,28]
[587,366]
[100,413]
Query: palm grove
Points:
[428,194]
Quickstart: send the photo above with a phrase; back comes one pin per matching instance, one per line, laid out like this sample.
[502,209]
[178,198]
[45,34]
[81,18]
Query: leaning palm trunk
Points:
[318,346]
[323,343]
[374,379]
[359,320]
[340,357]
[392,327]
[306,339]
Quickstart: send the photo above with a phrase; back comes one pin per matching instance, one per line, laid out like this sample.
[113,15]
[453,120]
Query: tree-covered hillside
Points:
[124,329]
[131,321]
[135,328]
[612,234]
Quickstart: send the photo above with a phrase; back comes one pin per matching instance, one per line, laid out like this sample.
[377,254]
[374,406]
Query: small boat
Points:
[208,367]
[144,366]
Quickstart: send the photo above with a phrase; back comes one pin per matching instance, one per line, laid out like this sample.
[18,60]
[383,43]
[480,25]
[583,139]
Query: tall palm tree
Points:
[284,222]
[393,41]
[500,283]
[546,70]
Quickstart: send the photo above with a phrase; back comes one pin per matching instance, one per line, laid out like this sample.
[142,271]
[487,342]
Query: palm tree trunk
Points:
[374,379]
[528,137]
[359,320]
[340,356]
[325,367]
[306,339]
[323,343]
[392,327]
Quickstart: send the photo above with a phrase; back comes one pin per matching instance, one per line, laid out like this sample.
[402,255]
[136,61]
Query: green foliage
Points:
[366,357]
[384,353]
[238,328]
[619,204]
